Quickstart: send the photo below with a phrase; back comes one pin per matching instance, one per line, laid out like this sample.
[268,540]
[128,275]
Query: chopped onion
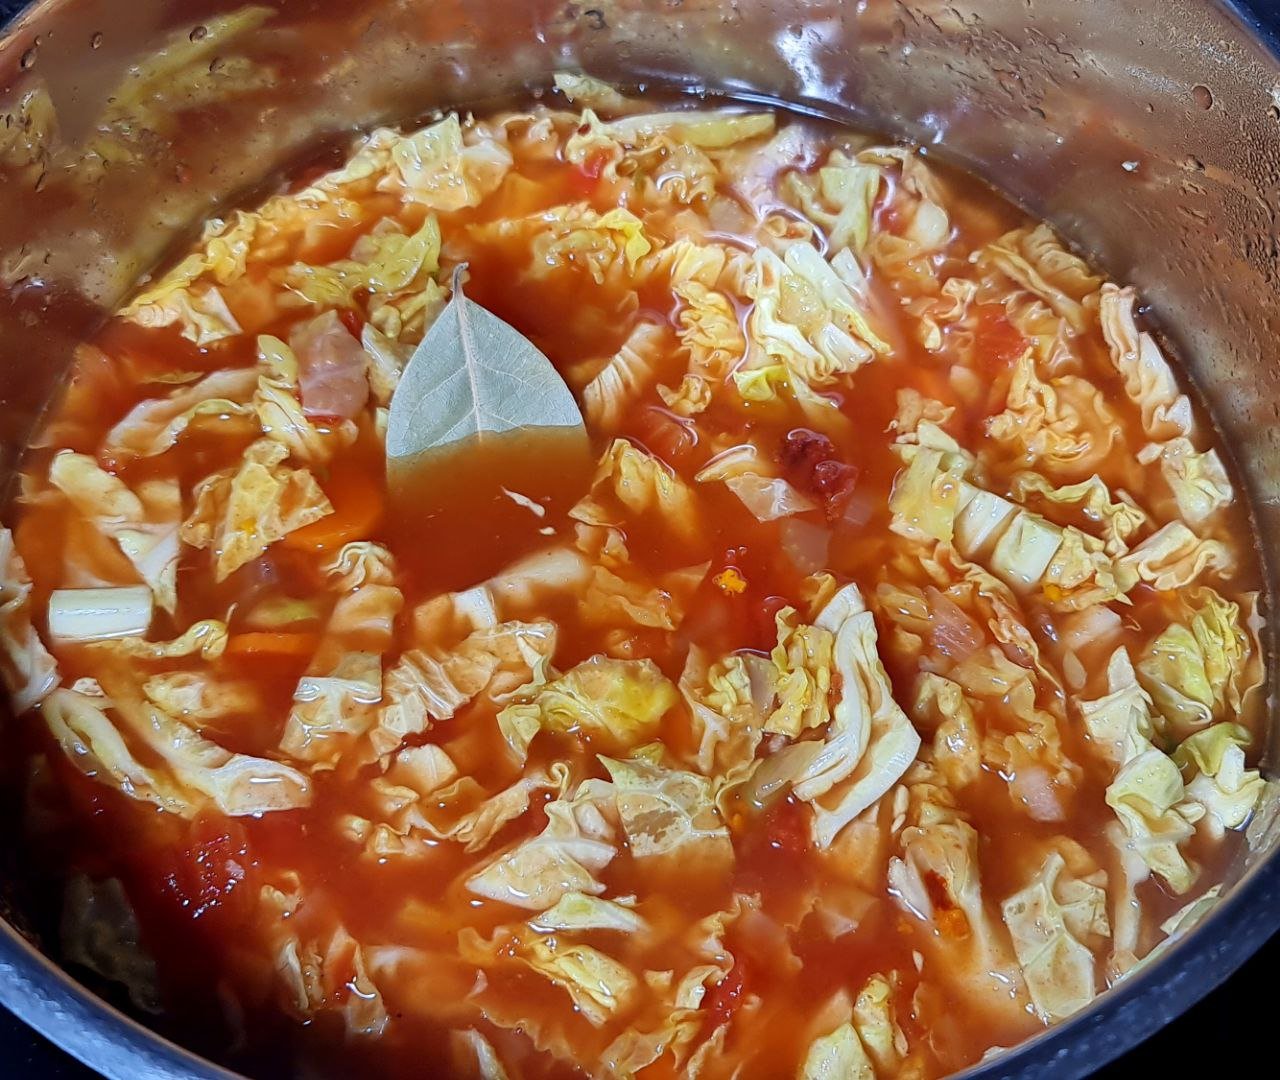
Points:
[100,614]
[805,544]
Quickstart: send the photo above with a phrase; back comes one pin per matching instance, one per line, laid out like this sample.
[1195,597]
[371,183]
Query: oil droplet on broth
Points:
[463,512]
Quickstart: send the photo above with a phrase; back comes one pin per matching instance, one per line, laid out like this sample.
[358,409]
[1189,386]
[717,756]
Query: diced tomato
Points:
[723,999]
[352,321]
[211,869]
[787,827]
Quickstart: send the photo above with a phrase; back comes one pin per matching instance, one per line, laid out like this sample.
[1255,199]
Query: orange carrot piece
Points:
[272,643]
[357,509]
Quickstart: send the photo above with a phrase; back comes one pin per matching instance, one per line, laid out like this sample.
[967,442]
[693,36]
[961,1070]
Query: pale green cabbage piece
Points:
[1059,969]
[1117,518]
[875,1019]
[432,684]
[1062,425]
[668,813]
[631,481]
[1035,259]
[278,407]
[1148,797]
[479,1053]
[839,199]
[208,638]
[1200,668]
[240,512]
[1213,764]
[144,524]
[200,312]
[806,319]
[837,1055]
[618,702]
[445,170]
[802,660]
[94,745]
[577,911]
[709,329]
[151,427]
[728,702]
[28,669]
[577,843]
[869,742]
[332,709]
[384,262]
[1199,481]
[1148,379]
[607,398]
[1120,722]
[590,92]
[599,986]
[940,705]
[1173,557]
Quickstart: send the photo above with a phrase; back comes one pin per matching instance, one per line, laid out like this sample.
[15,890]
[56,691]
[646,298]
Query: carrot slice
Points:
[272,643]
[357,509]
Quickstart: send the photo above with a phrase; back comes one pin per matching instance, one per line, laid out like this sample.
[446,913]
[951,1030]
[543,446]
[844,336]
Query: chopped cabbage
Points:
[94,745]
[806,318]
[607,397]
[99,931]
[385,263]
[669,813]
[151,427]
[1117,519]
[332,710]
[1061,425]
[839,199]
[445,171]
[241,512]
[1120,723]
[429,685]
[577,843]
[1199,481]
[728,702]
[1035,259]
[28,669]
[1148,797]
[869,743]
[641,484]
[144,524]
[1198,668]
[576,911]
[709,330]
[1173,557]
[802,659]
[940,705]
[1148,379]
[616,703]
[1212,763]
[1057,965]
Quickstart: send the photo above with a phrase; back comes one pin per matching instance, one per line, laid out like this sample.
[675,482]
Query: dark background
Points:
[1223,1026]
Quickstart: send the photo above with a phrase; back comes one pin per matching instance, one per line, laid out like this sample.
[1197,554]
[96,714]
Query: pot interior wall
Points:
[1149,133]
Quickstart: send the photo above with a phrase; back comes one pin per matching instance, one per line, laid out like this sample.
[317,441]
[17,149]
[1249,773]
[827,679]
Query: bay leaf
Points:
[473,376]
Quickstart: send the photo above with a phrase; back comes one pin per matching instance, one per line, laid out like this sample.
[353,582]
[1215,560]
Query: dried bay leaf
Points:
[473,376]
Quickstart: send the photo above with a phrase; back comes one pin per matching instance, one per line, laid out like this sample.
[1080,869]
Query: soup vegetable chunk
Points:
[882,688]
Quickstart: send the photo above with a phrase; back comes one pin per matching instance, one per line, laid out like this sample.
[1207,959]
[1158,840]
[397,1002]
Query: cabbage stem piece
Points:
[100,614]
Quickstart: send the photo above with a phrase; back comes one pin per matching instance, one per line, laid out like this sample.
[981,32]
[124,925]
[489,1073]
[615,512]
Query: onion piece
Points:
[100,614]
[805,544]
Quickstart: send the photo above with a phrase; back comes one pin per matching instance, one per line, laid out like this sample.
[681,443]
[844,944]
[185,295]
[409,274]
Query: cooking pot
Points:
[1148,133]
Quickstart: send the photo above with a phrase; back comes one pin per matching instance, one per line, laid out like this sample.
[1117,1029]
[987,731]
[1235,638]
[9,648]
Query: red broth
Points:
[396,957]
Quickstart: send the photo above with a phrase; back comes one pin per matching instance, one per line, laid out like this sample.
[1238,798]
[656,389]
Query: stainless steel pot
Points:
[1148,132]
